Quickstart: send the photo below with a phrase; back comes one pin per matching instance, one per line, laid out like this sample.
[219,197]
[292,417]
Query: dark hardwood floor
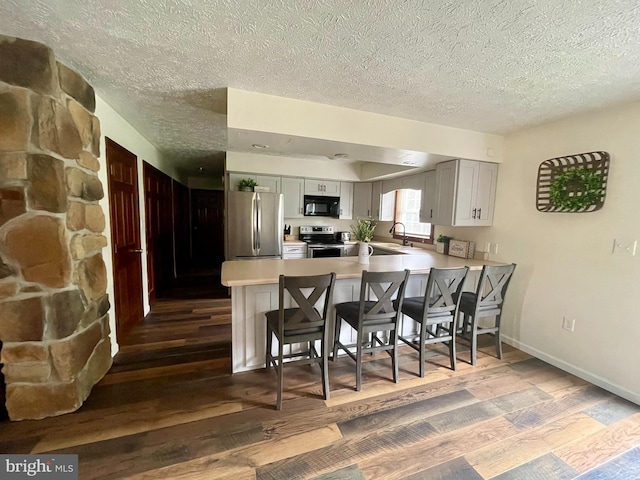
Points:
[168,409]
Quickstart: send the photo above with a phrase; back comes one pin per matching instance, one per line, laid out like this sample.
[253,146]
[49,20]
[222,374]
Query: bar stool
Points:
[487,301]
[373,313]
[436,312]
[301,324]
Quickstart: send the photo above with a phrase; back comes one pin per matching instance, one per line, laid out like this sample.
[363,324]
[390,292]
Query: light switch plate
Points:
[624,246]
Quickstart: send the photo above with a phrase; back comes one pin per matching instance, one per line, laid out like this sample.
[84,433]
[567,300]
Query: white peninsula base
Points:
[254,291]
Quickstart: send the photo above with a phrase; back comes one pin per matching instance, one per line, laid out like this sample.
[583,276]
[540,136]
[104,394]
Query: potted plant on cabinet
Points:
[442,244]
[363,233]
[247,184]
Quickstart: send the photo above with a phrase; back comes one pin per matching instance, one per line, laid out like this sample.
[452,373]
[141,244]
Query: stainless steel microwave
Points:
[318,206]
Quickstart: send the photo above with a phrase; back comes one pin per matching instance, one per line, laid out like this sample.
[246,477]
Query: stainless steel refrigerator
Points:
[254,225]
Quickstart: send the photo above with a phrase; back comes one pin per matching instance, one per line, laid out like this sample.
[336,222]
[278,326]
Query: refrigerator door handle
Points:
[258,219]
[254,230]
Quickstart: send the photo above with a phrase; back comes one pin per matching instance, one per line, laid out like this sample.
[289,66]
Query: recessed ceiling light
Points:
[259,146]
[341,155]
[409,162]
[201,169]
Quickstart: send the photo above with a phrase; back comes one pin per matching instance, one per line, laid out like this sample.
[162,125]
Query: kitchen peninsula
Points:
[254,290]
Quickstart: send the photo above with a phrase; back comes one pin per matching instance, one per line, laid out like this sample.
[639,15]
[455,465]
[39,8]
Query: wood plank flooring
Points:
[169,409]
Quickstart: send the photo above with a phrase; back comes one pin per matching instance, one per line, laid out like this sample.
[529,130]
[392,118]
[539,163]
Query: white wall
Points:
[565,261]
[267,113]
[115,127]
[291,166]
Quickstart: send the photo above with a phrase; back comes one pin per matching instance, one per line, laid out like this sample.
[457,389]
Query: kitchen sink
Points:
[387,246]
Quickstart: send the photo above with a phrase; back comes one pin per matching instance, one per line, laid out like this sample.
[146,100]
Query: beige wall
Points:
[267,113]
[120,131]
[565,264]
[291,166]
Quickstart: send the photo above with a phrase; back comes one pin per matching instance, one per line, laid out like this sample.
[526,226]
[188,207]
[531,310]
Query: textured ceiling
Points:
[487,65]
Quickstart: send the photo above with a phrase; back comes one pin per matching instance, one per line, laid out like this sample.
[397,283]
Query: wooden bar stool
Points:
[436,312]
[303,323]
[373,313]
[487,301]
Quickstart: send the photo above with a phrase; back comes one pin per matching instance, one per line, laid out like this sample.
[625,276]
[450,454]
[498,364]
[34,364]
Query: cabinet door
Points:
[428,199]
[465,204]
[313,187]
[331,189]
[267,181]
[293,190]
[346,200]
[294,251]
[376,199]
[445,193]
[234,179]
[486,193]
[362,200]
[388,206]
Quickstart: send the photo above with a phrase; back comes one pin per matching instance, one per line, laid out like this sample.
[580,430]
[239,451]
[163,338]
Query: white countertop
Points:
[237,273]
[294,242]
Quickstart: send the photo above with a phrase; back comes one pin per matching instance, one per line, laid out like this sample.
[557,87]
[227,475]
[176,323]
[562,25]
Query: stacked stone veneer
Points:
[54,324]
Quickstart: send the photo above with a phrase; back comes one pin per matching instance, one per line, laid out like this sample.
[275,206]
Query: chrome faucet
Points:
[405,240]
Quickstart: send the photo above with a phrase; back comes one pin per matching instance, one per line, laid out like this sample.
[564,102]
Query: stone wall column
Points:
[54,320]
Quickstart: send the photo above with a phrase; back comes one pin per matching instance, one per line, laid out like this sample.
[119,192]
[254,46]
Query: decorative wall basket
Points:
[575,183]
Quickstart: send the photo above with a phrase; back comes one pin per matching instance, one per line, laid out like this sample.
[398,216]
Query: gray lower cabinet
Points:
[294,251]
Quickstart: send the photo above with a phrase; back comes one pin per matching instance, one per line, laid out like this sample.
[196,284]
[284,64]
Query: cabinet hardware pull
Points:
[473,215]
[479,210]
[431,213]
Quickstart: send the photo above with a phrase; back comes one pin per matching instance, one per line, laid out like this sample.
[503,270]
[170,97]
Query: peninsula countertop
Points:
[238,273]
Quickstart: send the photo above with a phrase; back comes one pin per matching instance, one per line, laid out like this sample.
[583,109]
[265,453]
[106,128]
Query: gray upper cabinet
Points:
[346,200]
[465,193]
[272,183]
[362,200]
[326,188]
[376,199]
[293,190]
[428,198]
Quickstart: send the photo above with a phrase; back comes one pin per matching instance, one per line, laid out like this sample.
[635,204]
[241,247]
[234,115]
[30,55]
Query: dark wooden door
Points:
[125,236]
[181,227]
[207,207]
[159,229]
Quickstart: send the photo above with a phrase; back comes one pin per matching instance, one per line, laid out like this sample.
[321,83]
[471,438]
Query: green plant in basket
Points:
[363,230]
[576,189]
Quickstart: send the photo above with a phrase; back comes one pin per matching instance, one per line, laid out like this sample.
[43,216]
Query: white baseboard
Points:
[578,372]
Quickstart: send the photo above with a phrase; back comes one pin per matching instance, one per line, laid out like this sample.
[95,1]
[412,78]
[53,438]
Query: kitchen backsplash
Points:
[339,225]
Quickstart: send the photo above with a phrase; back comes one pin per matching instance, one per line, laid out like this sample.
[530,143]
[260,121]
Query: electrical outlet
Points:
[495,248]
[487,247]
[568,324]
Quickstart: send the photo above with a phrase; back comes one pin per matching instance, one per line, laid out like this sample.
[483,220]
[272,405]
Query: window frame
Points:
[412,238]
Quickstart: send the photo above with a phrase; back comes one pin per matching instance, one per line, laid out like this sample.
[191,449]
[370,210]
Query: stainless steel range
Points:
[321,242]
